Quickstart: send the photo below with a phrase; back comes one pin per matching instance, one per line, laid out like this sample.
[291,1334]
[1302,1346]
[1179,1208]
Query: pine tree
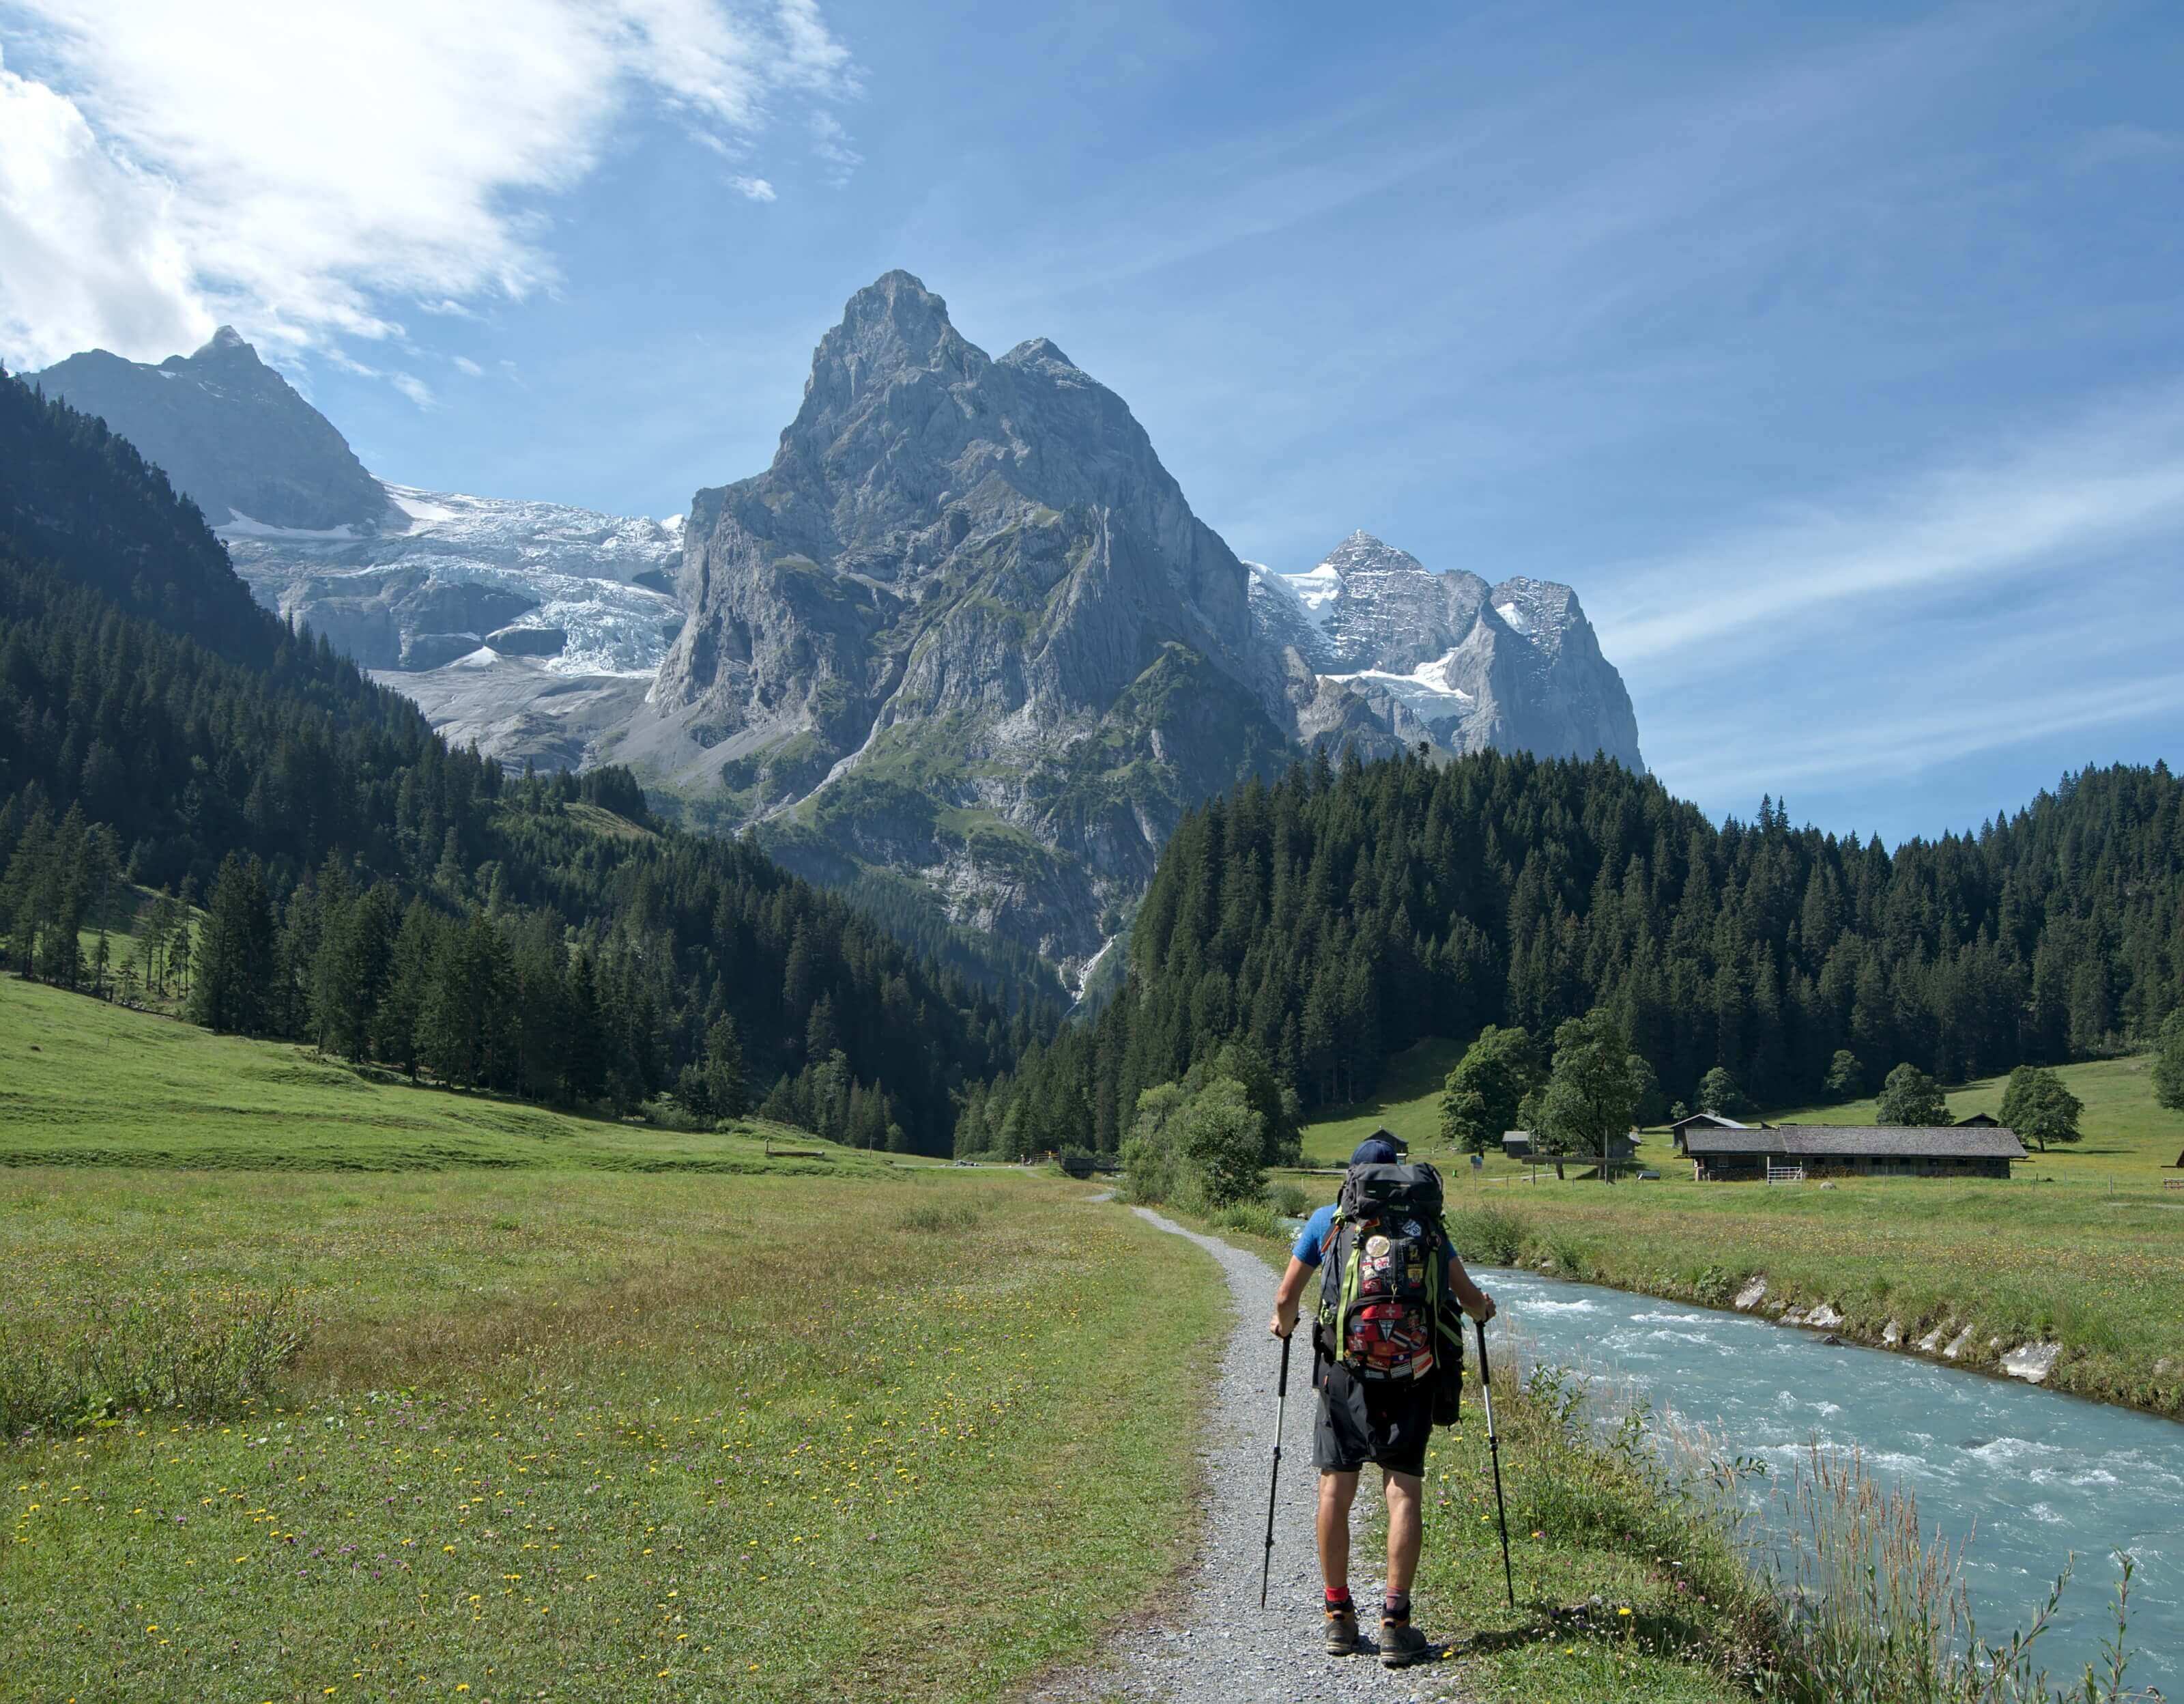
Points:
[395,1026]
[236,962]
[726,1094]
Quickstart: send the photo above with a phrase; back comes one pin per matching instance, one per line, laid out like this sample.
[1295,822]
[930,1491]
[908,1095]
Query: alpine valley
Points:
[963,644]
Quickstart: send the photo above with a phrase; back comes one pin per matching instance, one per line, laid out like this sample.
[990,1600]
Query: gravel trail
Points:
[1207,1640]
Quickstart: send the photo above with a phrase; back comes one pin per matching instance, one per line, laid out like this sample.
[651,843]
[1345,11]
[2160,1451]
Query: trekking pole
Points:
[1281,1414]
[1494,1450]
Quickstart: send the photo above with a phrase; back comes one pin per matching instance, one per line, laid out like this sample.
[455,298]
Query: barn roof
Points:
[1713,1120]
[1859,1142]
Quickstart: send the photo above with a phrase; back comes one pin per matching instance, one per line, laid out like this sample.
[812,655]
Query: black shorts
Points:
[1385,1422]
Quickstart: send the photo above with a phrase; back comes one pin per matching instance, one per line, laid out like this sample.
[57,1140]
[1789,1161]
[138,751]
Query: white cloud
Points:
[87,254]
[465,366]
[830,143]
[414,389]
[755,188]
[307,171]
[2101,482]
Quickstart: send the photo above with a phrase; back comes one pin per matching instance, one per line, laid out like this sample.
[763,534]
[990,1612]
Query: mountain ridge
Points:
[276,460]
[963,635]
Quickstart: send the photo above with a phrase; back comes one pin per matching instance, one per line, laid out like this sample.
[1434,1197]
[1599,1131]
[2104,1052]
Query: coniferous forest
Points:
[1338,915]
[369,889]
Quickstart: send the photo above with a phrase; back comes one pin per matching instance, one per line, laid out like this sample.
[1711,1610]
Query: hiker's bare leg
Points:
[1405,1527]
[1337,1491]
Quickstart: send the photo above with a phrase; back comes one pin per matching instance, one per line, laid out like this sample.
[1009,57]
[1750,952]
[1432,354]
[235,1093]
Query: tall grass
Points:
[1826,1592]
[184,1355]
[1867,1607]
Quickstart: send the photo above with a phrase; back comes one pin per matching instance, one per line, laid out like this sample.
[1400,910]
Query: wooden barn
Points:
[1706,1121]
[1826,1150]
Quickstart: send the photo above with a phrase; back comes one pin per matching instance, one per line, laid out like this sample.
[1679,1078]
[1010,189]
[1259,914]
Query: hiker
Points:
[1368,1412]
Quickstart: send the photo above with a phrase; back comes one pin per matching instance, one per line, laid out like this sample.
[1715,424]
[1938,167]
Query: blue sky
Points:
[1832,353]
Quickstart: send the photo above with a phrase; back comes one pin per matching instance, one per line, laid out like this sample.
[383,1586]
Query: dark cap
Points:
[1375,1150]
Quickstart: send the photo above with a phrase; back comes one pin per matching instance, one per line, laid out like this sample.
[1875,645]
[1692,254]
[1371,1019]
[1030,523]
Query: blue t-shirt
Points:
[1311,1241]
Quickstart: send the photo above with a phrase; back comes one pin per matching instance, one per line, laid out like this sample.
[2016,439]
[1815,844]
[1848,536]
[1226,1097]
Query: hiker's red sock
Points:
[1398,1608]
[1338,1599]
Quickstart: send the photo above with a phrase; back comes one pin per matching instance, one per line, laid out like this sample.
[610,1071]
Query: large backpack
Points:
[1382,1273]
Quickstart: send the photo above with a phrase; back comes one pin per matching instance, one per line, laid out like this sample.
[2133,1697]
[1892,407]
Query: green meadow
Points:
[578,1410]
[2084,1246]
[86,1083]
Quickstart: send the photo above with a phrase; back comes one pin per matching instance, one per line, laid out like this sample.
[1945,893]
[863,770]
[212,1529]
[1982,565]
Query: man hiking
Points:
[1384,1347]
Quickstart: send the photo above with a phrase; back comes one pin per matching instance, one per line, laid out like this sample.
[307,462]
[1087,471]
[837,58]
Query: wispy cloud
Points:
[309,171]
[753,188]
[1838,744]
[2100,481]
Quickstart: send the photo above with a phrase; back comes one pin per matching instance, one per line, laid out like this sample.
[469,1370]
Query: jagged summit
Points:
[1363,553]
[225,340]
[1038,352]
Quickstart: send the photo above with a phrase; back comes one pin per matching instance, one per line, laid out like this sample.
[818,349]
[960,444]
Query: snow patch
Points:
[1514,614]
[239,525]
[1428,687]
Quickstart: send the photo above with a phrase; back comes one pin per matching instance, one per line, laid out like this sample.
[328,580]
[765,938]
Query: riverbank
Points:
[1633,1547]
[2082,1254]
[2086,1293]
[2027,1479]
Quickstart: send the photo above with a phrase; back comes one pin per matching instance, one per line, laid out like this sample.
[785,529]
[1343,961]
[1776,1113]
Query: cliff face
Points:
[966,627]
[1446,656]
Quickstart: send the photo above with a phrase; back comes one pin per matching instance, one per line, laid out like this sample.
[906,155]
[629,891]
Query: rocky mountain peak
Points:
[230,432]
[224,341]
[894,329]
[1039,352]
[1446,657]
[1363,553]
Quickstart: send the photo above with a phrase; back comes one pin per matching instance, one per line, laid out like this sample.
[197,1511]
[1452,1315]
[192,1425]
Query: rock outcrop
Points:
[1446,656]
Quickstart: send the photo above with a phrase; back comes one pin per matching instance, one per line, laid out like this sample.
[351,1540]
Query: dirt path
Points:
[1207,1641]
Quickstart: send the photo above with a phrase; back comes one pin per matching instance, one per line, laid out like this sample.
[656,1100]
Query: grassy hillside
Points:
[1407,1102]
[86,1083]
[2084,1246]
[765,1431]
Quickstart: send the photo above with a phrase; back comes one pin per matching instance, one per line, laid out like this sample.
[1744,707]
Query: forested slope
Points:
[373,890]
[1338,916]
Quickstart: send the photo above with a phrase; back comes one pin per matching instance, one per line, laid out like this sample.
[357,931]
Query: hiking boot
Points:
[1342,1632]
[1402,1644]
